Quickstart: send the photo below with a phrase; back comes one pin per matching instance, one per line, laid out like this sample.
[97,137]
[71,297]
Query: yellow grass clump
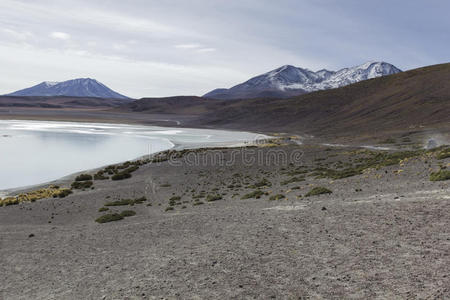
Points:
[51,191]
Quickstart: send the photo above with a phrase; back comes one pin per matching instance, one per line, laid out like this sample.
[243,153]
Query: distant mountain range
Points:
[409,101]
[81,87]
[288,81]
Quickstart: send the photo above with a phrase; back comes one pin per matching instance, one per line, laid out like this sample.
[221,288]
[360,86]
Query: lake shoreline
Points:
[175,146]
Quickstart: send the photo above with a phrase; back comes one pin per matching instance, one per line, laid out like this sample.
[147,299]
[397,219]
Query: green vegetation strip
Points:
[440,175]
[123,202]
[115,216]
[318,191]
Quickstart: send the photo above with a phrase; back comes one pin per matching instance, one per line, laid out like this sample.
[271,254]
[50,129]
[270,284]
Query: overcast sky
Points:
[161,48]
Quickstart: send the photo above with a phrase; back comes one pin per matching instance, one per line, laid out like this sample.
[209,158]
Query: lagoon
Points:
[35,152]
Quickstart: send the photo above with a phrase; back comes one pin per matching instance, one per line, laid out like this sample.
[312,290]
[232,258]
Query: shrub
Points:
[120,176]
[440,175]
[100,176]
[318,191]
[211,198]
[255,194]
[83,177]
[123,202]
[102,209]
[197,203]
[109,218]
[128,213]
[169,208]
[444,154]
[175,198]
[81,184]
[293,179]
[63,193]
[276,197]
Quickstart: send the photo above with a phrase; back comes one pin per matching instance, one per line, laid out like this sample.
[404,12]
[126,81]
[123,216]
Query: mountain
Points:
[408,101]
[81,87]
[288,81]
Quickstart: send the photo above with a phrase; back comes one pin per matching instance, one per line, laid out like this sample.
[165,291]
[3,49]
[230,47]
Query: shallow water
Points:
[33,152]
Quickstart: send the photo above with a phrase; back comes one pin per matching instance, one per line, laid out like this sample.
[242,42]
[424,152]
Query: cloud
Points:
[60,35]
[17,35]
[188,46]
[198,47]
[143,49]
[206,50]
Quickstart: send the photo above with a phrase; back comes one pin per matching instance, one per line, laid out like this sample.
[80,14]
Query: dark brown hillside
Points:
[60,102]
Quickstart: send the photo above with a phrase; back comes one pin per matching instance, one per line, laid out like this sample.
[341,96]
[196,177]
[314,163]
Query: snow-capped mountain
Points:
[290,81]
[81,87]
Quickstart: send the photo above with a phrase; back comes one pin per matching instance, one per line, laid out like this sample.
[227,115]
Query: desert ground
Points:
[239,223]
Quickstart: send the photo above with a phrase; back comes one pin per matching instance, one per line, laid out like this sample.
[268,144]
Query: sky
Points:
[146,48]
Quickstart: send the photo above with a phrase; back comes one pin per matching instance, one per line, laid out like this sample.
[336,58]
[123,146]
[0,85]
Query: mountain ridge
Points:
[79,87]
[287,81]
[407,101]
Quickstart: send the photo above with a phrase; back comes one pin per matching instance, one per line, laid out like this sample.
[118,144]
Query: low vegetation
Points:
[50,192]
[81,184]
[128,213]
[443,154]
[255,194]
[211,198]
[276,197]
[318,191]
[372,159]
[123,202]
[83,177]
[292,180]
[440,175]
[109,218]
[115,216]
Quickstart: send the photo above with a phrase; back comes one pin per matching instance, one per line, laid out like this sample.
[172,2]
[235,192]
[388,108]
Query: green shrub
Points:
[100,176]
[211,198]
[109,218]
[444,154]
[63,193]
[120,176]
[255,194]
[293,179]
[318,191]
[169,208]
[128,213]
[276,197]
[83,177]
[102,209]
[81,184]
[175,198]
[440,175]
[123,202]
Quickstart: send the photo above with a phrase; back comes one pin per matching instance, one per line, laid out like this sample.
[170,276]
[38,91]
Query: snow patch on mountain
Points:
[289,80]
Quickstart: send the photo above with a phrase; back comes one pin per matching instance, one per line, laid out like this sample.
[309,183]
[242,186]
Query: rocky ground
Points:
[238,223]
